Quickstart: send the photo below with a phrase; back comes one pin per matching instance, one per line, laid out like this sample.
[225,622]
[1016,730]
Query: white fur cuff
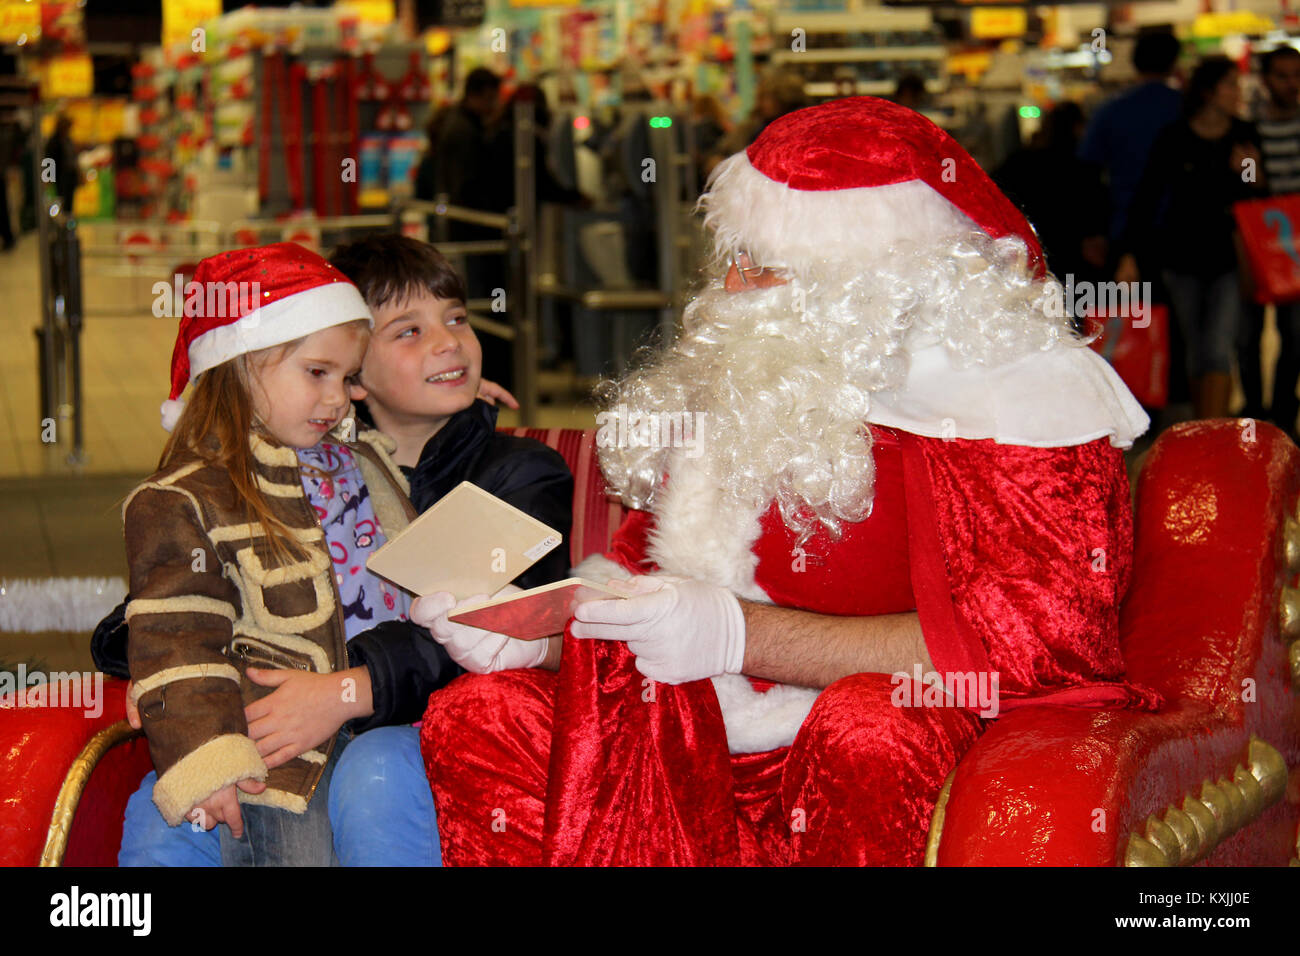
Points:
[598,568]
[203,771]
[756,721]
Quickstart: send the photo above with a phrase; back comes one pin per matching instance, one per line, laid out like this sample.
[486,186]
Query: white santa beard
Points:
[786,374]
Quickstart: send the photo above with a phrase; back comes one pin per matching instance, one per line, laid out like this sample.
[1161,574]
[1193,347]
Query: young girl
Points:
[247,555]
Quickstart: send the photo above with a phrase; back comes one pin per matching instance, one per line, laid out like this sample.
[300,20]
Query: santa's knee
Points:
[482,713]
[858,729]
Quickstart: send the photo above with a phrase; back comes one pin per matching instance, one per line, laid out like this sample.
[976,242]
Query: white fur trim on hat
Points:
[278,322]
[797,228]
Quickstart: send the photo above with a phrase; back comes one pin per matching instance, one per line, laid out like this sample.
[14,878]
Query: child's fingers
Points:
[268,678]
[282,756]
[271,742]
[257,710]
[249,785]
[234,819]
[132,712]
[260,728]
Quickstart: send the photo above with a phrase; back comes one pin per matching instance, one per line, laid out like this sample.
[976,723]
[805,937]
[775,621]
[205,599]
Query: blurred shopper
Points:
[1181,223]
[1278,121]
[709,127]
[464,140]
[427,174]
[63,152]
[779,92]
[548,188]
[910,92]
[472,172]
[1123,130]
[1061,195]
[11,147]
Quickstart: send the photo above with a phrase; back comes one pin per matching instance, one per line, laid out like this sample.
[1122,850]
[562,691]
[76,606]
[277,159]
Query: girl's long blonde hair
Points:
[215,425]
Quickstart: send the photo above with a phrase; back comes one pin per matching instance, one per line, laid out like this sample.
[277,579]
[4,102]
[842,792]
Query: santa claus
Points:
[910,514]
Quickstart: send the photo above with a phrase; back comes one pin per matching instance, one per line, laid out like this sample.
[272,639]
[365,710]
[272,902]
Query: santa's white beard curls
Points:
[784,375]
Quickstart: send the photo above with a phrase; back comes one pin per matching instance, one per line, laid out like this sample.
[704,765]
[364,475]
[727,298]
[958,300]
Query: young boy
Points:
[421,374]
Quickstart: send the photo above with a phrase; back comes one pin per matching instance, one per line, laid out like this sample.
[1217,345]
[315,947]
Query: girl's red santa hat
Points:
[251,299]
[848,180]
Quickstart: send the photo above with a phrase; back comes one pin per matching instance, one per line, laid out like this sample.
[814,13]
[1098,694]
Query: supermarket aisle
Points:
[124,363]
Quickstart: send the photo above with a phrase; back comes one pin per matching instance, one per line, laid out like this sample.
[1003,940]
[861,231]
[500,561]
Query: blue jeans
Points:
[379,807]
[272,836]
[1208,310]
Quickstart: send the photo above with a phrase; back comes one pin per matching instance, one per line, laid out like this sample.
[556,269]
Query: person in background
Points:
[1181,223]
[548,188]
[710,127]
[63,152]
[1122,131]
[1278,120]
[427,173]
[779,92]
[910,92]
[1060,195]
[468,171]
[10,150]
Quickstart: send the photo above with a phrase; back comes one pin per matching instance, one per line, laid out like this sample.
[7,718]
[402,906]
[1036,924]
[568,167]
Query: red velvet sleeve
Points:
[631,542]
[1020,559]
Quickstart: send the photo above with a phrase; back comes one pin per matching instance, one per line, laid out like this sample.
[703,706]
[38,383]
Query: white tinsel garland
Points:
[57,604]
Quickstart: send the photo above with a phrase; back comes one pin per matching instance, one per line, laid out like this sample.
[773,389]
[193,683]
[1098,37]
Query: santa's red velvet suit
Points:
[1000,515]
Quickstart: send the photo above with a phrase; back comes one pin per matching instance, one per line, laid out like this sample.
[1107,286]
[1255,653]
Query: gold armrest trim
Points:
[74,783]
[936,823]
[1181,836]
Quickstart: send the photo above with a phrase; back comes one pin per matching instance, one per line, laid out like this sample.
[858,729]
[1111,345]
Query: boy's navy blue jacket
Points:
[406,665]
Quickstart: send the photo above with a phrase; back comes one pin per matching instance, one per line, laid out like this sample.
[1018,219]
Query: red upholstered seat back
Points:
[1201,615]
[596,516]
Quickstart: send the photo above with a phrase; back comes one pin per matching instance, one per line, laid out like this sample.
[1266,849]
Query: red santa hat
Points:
[250,299]
[848,179]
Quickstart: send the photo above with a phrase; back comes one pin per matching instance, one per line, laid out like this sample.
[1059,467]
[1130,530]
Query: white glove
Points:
[680,629]
[476,650]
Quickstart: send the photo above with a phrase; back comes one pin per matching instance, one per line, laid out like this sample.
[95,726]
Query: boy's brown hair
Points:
[390,267]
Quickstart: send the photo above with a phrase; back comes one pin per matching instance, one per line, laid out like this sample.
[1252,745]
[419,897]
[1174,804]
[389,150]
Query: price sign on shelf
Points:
[67,75]
[19,18]
[181,17]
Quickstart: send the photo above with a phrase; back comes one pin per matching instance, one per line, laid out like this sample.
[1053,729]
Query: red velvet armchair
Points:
[1211,621]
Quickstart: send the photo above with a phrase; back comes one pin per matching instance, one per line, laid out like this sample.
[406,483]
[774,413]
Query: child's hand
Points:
[132,709]
[303,712]
[490,392]
[223,807]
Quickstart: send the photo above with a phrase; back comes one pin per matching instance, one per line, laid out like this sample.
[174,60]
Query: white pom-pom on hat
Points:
[171,412]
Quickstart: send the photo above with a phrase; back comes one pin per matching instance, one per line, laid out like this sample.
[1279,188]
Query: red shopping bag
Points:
[1268,230]
[1138,349]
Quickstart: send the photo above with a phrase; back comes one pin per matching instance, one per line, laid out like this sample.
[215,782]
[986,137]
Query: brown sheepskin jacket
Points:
[209,601]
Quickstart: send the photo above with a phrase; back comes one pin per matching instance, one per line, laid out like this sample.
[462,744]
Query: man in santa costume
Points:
[911,467]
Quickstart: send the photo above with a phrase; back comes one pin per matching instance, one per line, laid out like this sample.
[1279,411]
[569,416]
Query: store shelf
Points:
[864,21]
[860,54]
[866,88]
